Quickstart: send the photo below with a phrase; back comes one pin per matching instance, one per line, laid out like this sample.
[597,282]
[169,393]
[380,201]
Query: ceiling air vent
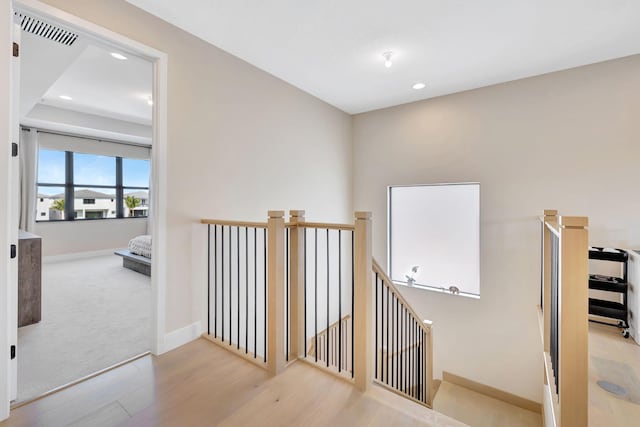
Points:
[40,28]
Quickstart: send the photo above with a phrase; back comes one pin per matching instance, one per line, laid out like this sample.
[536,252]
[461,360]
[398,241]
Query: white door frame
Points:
[6,37]
[158,179]
[14,221]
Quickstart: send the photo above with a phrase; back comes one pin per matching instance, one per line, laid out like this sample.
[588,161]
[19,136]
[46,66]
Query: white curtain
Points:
[28,156]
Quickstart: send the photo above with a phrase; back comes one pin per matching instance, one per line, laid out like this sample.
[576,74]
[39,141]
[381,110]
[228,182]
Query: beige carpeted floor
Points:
[95,313]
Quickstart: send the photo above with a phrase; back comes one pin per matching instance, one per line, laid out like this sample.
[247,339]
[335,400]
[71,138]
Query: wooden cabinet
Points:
[29,278]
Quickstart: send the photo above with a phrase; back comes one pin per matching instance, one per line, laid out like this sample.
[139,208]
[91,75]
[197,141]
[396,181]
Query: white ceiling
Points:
[99,85]
[102,85]
[333,48]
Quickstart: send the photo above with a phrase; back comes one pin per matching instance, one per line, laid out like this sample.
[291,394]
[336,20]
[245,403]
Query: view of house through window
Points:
[74,186]
[434,236]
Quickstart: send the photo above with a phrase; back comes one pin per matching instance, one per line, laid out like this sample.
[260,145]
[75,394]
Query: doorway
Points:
[113,43]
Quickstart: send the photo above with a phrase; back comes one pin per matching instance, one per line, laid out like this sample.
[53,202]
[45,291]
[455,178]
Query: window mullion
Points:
[119,189]
[69,189]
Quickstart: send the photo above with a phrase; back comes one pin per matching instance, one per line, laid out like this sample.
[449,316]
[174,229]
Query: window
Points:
[95,214]
[135,176]
[434,237]
[94,170]
[135,173]
[73,185]
[51,182]
[43,214]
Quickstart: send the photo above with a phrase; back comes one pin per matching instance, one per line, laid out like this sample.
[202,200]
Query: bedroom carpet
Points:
[95,313]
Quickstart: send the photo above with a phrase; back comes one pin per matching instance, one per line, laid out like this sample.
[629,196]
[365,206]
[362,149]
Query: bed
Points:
[137,256]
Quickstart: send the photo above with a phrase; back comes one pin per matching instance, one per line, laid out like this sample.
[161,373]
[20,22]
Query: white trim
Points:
[548,417]
[182,336]
[158,155]
[5,208]
[14,203]
[52,259]
[159,203]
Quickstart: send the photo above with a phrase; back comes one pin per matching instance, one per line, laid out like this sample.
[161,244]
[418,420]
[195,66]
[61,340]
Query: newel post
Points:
[296,283]
[574,326]
[363,350]
[550,216]
[275,293]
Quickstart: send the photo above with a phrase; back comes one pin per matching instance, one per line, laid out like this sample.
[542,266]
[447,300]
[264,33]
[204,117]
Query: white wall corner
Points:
[181,336]
[199,272]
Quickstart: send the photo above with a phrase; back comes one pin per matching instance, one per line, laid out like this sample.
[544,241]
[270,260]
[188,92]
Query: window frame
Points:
[389,240]
[70,187]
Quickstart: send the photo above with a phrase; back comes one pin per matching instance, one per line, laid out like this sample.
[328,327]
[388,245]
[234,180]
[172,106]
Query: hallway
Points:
[202,384]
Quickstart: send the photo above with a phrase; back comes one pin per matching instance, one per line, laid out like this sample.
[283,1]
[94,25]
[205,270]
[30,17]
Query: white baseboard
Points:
[77,255]
[182,336]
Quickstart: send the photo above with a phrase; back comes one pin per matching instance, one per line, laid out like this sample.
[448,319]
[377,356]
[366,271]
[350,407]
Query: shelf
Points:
[604,308]
[607,283]
[608,254]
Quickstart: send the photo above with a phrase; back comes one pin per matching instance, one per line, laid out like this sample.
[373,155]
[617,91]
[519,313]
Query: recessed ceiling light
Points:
[66,97]
[419,85]
[118,56]
[387,59]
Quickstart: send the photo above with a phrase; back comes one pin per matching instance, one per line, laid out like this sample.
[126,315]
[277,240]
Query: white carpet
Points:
[95,313]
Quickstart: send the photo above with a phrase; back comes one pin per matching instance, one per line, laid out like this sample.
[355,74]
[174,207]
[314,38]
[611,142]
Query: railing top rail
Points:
[555,223]
[234,223]
[424,324]
[348,227]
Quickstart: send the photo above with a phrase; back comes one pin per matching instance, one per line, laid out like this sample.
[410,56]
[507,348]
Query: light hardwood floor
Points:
[479,410]
[611,358]
[615,359]
[201,384]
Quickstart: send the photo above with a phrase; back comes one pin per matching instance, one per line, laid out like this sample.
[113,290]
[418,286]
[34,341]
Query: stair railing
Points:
[245,291]
[277,292]
[564,318]
[324,290]
[403,343]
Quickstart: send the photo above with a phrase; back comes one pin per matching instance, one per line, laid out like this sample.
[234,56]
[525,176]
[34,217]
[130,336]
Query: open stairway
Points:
[305,395]
[306,300]
[276,351]
[480,410]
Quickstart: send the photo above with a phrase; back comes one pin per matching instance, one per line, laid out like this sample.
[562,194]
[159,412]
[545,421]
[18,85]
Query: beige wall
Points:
[568,140]
[240,141]
[68,237]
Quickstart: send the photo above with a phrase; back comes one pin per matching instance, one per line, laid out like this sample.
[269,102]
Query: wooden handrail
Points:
[323,225]
[310,342]
[392,287]
[234,223]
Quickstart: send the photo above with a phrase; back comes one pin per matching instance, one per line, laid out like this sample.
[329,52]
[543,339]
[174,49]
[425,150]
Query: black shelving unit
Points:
[617,284]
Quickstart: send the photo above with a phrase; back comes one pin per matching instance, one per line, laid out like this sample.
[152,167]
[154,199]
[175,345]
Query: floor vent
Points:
[48,31]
